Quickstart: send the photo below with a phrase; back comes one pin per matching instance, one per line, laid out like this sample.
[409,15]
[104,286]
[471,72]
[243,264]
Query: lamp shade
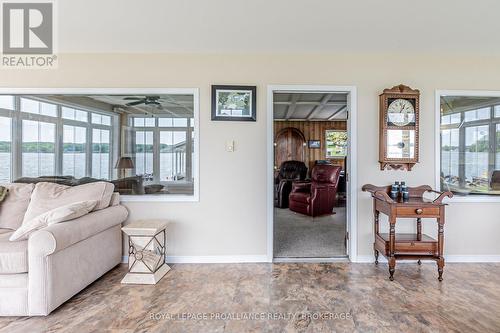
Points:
[124,163]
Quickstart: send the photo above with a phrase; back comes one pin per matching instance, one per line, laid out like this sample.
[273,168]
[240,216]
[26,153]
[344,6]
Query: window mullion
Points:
[88,150]
[491,145]
[16,149]
[59,144]
[156,154]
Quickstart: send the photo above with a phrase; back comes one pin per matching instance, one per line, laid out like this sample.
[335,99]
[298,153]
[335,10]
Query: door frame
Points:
[351,184]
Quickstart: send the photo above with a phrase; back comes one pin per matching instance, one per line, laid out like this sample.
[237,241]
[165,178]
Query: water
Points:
[476,164]
[35,165]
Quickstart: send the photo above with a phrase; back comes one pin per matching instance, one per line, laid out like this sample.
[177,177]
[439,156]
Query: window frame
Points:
[326,145]
[19,116]
[134,91]
[437,139]
[156,130]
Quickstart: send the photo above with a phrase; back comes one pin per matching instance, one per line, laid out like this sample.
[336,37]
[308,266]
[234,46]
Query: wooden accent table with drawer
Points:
[416,246]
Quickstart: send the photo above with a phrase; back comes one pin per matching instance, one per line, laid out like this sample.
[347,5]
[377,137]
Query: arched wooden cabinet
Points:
[289,144]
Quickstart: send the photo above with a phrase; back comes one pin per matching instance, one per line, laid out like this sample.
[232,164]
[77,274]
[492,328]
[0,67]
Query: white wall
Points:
[230,218]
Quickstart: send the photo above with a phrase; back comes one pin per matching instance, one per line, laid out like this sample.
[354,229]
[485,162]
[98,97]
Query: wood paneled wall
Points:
[313,130]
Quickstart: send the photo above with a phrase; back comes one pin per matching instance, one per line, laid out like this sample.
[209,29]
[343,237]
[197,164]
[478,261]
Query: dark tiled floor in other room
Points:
[350,297]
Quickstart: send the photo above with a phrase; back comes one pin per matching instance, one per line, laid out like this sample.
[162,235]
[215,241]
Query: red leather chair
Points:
[318,196]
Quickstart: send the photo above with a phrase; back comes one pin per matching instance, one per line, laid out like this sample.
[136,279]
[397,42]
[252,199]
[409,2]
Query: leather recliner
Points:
[317,197]
[288,172]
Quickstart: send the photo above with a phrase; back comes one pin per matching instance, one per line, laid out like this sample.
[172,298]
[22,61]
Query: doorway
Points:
[309,133]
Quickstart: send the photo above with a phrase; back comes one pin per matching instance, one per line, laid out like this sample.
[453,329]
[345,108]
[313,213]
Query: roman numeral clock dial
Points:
[398,141]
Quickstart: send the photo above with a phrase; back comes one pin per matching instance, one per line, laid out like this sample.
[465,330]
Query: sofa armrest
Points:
[59,236]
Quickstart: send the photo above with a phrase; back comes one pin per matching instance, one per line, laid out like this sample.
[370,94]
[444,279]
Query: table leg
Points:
[419,234]
[392,247]
[376,215]
[440,261]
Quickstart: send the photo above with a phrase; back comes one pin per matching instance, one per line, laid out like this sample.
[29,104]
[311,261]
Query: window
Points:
[172,155]
[144,122]
[6,102]
[5,150]
[449,153]
[173,122]
[483,113]
[163,149]
[470,145]
[54,139]
[38,149]
[100,153]
[73,114]
[74,151]
[497,110]
[336,144]
[70,135]
[32,106]
[101,119]
[144,152]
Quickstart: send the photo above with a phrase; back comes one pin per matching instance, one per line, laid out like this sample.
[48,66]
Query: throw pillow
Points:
[14,205]
[3,192]
[47,196]
[57,215]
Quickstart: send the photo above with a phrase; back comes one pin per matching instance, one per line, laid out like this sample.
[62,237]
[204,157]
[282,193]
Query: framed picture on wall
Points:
[314,144]
[336,144]
[234,103]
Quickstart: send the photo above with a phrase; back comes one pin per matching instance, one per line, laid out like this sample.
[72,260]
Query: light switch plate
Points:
[230,146]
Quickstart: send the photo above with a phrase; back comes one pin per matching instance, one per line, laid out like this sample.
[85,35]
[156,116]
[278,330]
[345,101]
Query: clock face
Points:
[401,112]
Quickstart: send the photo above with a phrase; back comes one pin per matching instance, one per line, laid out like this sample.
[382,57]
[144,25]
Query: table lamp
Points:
[124,163]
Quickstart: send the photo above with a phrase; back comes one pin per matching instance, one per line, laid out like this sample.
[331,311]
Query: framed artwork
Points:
[234,103]
[336,143]
[314,144]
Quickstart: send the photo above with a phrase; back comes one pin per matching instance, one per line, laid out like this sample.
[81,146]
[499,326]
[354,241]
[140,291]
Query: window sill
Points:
[474,199]
[159,198]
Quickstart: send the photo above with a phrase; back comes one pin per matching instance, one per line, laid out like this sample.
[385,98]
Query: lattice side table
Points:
[146,251]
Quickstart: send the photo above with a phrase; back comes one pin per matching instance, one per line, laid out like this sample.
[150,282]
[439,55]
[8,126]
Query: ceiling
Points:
[242,26]
[454,104]
[173,105]
[310,106]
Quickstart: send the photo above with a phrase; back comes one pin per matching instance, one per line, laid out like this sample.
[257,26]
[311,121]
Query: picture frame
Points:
[234,103]
[314,144]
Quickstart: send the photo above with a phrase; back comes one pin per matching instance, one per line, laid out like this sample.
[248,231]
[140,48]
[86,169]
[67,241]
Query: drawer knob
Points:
[419,211]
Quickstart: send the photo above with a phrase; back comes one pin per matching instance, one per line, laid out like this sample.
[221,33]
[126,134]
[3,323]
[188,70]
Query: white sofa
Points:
[39,274]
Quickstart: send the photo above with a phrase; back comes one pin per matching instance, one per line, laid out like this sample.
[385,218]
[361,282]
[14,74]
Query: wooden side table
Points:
[418,246]
[146,251]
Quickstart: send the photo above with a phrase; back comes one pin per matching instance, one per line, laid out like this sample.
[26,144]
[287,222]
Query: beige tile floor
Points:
[335,297]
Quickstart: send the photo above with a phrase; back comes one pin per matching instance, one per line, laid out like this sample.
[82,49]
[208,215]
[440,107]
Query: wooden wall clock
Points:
[398,138]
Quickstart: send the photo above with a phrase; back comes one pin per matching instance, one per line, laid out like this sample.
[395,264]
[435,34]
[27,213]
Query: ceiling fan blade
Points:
[135,103]
[132,98]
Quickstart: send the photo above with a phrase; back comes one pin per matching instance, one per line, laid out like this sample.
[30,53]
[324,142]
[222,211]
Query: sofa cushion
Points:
[56,215]
[13,255]
[14,206]
[47,196]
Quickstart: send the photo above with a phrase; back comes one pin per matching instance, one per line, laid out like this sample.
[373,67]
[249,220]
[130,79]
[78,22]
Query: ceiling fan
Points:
[146,100]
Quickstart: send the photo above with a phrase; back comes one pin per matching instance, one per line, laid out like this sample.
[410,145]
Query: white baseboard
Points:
[473,258]
[448,258]
[263,258]
[212,259]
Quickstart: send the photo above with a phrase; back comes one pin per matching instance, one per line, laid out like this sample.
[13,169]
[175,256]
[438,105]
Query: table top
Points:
[382,193]
[145,227]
